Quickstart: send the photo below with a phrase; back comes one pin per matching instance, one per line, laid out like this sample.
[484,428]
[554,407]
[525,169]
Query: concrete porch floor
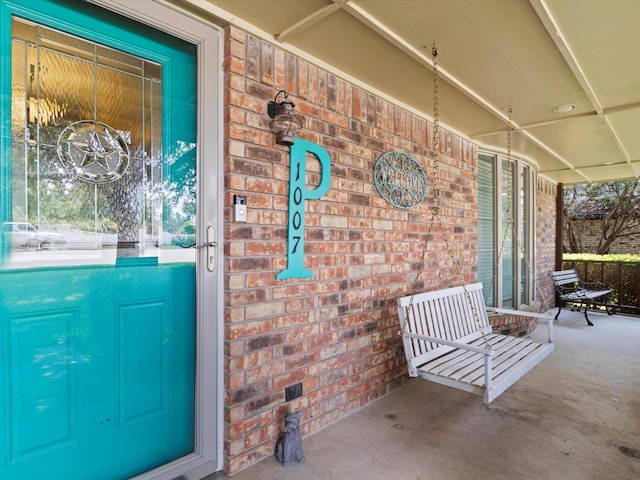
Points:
[575,416]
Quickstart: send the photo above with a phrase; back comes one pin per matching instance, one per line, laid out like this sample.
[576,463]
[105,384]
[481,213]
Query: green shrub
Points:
[188,228]
[614,257]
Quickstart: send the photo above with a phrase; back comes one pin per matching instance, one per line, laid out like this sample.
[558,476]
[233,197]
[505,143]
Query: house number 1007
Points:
[298,193]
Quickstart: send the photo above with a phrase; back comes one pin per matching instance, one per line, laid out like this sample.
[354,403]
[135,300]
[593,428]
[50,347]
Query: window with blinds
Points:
[505,230]
[486,226]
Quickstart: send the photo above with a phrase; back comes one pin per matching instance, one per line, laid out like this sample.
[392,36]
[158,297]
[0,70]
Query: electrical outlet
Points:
[293,391]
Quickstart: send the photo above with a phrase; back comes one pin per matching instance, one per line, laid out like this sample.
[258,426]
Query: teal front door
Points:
[97,269]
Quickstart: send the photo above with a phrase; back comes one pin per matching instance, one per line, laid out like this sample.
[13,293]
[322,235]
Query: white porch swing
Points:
[446,333]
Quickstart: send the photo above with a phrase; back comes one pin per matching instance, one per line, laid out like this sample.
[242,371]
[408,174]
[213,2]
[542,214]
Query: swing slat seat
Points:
[447,339]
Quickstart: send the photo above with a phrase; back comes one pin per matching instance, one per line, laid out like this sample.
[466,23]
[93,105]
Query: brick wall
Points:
[590,232]
[546,197]
[515,325]
[337,332]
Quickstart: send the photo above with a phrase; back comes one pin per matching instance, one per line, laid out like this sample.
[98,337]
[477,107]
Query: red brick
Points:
[337,331]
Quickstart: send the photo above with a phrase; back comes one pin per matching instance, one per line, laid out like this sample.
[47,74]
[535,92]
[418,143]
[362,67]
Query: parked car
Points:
[25,235]
[75,238]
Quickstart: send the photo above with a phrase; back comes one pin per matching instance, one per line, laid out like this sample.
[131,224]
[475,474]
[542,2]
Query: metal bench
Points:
[571,289]
[448,340]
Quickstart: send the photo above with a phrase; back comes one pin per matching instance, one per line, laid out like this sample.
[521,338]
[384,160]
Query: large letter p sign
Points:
[298,193]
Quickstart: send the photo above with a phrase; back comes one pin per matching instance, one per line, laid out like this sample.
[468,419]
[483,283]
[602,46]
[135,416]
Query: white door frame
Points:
[208,455]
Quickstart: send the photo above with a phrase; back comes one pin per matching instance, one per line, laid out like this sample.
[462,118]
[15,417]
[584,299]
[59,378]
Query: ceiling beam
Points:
[418,54]
[543,11]
[306,22]
[545,123]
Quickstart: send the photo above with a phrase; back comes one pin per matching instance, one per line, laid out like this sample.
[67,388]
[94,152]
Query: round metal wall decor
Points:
[400,180]
[93,152]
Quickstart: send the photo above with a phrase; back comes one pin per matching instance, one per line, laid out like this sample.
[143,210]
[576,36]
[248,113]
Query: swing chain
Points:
[507,215]
[435,210]
[523,254]
[509,219]
[436,132]
[436,207]
[436,182]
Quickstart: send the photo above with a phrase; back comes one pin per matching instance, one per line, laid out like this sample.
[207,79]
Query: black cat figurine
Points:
[289,446]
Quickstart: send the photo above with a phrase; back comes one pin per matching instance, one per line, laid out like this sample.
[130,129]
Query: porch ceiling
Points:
[531,55]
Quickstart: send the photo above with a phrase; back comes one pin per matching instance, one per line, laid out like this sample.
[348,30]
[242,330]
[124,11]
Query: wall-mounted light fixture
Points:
[285,123]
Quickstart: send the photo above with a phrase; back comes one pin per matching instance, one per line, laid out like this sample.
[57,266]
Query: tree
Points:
[615,204]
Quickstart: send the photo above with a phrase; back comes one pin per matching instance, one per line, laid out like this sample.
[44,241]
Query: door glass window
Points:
[89,185]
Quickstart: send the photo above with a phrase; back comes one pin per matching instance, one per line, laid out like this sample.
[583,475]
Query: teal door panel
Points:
[97,207]
[101,363]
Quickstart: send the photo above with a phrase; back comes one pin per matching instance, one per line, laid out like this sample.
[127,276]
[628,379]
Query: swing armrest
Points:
[449,343]
[540,316]
[523,313]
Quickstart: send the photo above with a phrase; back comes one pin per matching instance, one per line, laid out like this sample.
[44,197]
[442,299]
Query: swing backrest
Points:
[454,314]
